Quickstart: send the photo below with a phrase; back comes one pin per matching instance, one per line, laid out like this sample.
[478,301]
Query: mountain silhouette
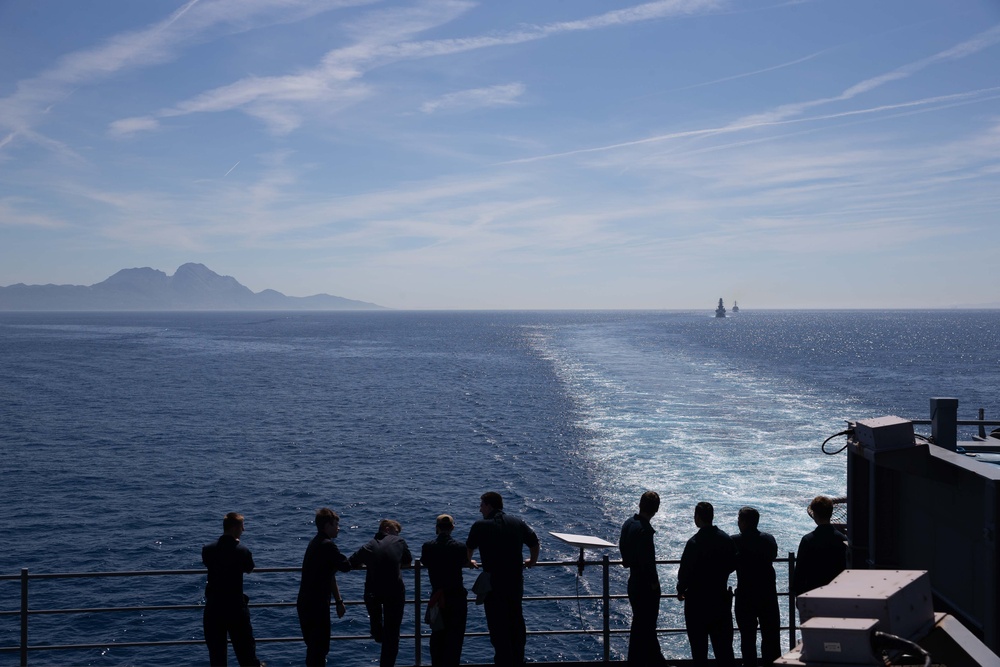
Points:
[192,287]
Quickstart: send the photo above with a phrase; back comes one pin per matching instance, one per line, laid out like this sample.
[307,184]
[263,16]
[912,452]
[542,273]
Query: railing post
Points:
[416,616]
[606,595]
[791,603]
[24,617]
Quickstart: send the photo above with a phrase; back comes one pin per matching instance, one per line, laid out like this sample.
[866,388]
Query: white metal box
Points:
[884,433]
[846,641]
[900,600]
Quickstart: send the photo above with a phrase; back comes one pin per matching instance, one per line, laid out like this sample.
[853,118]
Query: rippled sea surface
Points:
[124,438]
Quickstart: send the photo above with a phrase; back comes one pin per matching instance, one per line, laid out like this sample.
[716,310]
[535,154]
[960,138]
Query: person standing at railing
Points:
[703,584]
[445,557]
[639,556]
[500,539]
[226,610]
[319,583]
[385,593]
[822,553]
[756,590]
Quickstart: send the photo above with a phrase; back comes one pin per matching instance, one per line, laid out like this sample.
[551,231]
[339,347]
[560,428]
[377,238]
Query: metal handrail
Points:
[418,601]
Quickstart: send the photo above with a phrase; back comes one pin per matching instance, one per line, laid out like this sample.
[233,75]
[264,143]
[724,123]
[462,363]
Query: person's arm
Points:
[248,565]
[407,556]
[338,559]
[471,542]
[533,550]
[799,575]
[684,572]
[730,554]
[338,601]
[360,557]
[625,547]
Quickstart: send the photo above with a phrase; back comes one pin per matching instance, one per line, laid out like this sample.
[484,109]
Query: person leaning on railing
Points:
[385,593]
[445,557]
[756,590]
[319,583]
[702,583]
[501,539]
[226,610]
[639,556]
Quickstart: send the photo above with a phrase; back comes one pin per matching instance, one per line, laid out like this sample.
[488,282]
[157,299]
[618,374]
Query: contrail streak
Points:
[970,97]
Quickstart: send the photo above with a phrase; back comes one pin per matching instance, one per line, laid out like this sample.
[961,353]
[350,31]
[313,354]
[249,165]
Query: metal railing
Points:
[417,602]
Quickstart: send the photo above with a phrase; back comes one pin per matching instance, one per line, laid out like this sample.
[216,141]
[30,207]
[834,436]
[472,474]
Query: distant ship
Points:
[736,308]
[721,310]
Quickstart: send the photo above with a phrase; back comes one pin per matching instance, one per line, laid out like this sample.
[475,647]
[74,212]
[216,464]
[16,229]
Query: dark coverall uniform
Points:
[757,597]
[444,558]
[822,556]
[709,558]
[226,610]
[319,566]
[385,594]
[499,539]
[639,556]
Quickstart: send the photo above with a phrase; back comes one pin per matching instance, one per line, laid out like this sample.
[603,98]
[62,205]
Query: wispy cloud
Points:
[976,95]
[476,98]
[755,72]
[126,127]
[786,113]
[966,48]
[382,40]
[16,212]
[195,21]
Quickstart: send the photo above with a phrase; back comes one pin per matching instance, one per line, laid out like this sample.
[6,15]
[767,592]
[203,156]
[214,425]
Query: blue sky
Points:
[454,154]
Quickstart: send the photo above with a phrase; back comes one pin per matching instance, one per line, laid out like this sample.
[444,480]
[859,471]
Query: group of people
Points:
[500,539]
[709,557]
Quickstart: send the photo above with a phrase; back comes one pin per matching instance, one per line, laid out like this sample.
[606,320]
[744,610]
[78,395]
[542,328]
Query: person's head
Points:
[490,501]
[232,524]
[747,519]
[649,503]
[444,524]
[821,509]
[327,521]
[390,527]
[704,513]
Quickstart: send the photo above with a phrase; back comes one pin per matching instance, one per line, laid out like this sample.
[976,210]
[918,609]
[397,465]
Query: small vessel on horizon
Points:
[736,308]
[721,310]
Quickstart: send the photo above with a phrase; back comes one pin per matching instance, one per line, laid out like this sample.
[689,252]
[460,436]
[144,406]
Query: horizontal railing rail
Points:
[417,602]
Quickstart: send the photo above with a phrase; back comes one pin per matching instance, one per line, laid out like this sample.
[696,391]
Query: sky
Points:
[510,154]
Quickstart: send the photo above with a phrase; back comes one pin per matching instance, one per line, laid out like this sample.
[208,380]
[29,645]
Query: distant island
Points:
[192,287]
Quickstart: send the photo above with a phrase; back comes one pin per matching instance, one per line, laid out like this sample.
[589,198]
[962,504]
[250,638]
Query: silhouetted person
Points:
[385,594]
[756,591]
[445,557]
[226,610]
[822,553]
[639,556]
[500,539]
[702,583]
[319,583]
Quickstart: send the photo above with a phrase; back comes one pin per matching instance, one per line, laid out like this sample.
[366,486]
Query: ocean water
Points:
[125,437]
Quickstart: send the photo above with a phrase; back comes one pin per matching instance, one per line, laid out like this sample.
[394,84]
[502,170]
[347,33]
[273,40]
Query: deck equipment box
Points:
[839,641]
[884,434]
[899,599]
